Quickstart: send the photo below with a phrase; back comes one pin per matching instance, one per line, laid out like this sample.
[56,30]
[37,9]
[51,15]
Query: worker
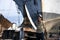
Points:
[40,28]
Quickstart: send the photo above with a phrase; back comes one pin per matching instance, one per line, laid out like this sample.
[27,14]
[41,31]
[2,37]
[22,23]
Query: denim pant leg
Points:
[42,36]
[21,34]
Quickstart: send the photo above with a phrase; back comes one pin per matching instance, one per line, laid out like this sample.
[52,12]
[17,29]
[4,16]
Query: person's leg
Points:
[42,36]
[38,36]
[21,34]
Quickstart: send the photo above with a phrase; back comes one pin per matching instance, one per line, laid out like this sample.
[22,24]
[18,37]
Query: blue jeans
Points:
[21,34]
[40,36]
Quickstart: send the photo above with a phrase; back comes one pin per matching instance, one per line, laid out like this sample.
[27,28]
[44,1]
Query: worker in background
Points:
[40,28]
